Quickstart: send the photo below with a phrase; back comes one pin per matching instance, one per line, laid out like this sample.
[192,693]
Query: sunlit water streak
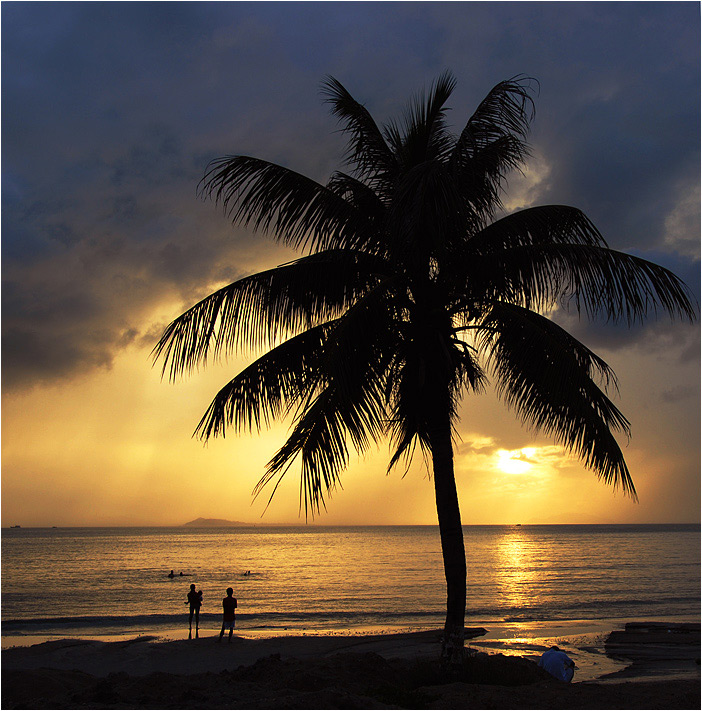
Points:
[306,579]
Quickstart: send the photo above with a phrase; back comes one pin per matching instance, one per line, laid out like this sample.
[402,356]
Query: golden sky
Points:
[114,447]
[110,115]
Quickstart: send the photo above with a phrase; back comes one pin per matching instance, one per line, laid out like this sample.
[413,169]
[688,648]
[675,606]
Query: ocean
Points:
[312,579]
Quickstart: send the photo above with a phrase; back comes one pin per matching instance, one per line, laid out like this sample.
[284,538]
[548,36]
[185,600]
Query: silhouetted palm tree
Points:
[409,292]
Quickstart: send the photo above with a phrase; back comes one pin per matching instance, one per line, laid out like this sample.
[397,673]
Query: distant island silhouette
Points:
[224,523]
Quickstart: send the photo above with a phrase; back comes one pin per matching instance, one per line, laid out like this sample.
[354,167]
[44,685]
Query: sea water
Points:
[307,579]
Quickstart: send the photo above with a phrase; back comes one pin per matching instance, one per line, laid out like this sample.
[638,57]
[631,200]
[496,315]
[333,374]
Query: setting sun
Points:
[515,461]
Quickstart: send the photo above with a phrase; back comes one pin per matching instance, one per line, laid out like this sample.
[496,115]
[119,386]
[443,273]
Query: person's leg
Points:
[197,621]
[190,623]
[221,634]
[231,631]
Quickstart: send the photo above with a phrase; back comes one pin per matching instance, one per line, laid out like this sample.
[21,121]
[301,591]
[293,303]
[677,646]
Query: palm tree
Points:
[409,293]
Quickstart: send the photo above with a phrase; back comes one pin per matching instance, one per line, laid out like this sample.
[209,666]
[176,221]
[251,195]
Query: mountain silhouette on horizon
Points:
[225,523]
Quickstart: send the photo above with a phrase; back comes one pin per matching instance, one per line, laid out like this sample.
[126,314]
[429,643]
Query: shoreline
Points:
[494,629]
[266,673]
[583,640]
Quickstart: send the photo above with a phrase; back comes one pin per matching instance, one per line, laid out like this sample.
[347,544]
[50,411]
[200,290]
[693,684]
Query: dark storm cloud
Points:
[617,116]
[655,333]
[111,111]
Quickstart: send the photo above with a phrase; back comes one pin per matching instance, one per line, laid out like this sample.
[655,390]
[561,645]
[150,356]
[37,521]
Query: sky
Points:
[110,114]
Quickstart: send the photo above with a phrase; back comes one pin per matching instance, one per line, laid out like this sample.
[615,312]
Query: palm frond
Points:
[553,255]
[363,198]
[547,377]
[417,381]
[491,261]
[348,401]
[408,426]
[542,225]
[267,307]
[483,176]
[493,143]
[427,216]
[368,151]
[507,110]
[268,388]
[294,209]
[617,286]
[319,439]
[423,134]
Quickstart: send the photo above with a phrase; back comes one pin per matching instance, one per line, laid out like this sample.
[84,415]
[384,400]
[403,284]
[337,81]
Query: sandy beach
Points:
[656,670]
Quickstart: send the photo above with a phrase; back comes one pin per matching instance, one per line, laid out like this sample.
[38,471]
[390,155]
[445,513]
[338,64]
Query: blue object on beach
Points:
[558,664]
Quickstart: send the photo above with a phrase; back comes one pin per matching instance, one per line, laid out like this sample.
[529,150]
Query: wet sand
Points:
[338,671]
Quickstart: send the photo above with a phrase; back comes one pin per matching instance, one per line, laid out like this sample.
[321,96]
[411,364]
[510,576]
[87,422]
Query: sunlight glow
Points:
[515,461]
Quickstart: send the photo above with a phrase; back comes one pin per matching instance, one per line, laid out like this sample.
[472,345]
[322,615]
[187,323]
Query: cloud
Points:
[526,188]
[111,114]
[660,335]
[680,393]
[683,221]
[474,442]
[617,116]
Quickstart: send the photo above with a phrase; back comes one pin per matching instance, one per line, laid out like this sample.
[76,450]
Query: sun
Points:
[515,461]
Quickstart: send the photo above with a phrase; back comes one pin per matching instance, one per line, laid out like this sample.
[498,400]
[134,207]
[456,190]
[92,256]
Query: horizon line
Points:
[356,525]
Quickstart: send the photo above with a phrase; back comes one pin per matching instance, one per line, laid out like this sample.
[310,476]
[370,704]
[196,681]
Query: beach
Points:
[659,669]
[356,629]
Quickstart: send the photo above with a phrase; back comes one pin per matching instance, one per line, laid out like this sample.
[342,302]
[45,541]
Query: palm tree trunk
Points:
[451,541]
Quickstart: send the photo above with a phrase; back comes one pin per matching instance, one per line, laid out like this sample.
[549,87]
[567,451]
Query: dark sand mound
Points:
[655,648]
[342,681]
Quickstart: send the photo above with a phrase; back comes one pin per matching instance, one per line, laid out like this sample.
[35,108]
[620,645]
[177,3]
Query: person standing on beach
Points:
[228,616]
[557,663]
[195,601]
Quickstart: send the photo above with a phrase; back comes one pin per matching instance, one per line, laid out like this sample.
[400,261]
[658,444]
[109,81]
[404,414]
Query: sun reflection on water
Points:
[516,574]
